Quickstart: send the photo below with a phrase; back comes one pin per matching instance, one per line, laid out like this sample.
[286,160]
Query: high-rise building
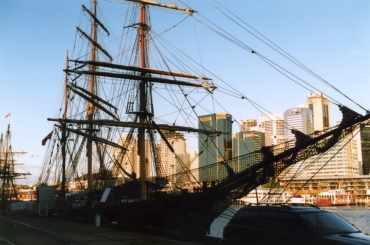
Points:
[247,142]
[244,143]
[320,107]
[130,161]
[341,160]
[215,148]
[246,124]
[273,127]
[177,161]
[182,164]
[365,149]
[299,119]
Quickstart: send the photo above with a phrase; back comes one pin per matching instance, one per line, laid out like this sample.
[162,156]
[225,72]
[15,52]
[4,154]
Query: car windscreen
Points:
[324,223]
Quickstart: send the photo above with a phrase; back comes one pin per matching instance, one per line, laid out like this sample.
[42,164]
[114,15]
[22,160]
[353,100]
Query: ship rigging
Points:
[104,100]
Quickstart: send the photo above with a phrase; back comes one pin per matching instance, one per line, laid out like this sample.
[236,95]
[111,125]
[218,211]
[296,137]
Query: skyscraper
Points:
[182,164]
[320,107]
[244,143]
[171,162]
[341,160]
[130,160]
[299,119]
[273,127]
[215,148]
[246,124]
[365,148]
[247,142]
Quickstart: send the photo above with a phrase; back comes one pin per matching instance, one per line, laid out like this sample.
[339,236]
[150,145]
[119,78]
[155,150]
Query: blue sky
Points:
[330,37]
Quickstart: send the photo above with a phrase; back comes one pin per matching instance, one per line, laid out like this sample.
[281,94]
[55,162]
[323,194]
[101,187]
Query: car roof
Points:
[281,207]
[278,208]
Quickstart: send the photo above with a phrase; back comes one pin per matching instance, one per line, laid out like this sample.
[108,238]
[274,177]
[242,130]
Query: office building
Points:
[172,162]
[299,119]
[214,148]
[183,164]
[273,127]
[247,142]
[246,124]
[320,107]
[365,149]
[130,161]
[360,185]
[340,160]
[244,143]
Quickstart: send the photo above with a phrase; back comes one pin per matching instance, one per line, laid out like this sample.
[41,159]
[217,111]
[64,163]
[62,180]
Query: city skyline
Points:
[244,142]
[328,37]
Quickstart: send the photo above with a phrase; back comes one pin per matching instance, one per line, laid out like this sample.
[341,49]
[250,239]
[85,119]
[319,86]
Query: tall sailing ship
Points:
[8,170]
[121,113]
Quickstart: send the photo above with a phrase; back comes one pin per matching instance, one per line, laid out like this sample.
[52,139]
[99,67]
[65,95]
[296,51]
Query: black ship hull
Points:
[193,212]
[187,213]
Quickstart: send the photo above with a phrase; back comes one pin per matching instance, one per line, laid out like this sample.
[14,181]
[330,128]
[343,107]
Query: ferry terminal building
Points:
[359,185]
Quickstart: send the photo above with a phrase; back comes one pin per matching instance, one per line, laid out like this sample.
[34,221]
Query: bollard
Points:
[97,219]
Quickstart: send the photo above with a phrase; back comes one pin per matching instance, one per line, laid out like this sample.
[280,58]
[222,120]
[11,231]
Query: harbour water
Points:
[356,215]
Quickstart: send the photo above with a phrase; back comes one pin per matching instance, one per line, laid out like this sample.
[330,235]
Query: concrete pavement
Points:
[19,229]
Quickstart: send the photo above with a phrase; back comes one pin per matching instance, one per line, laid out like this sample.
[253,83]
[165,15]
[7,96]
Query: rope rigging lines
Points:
[178,104]
[239,22]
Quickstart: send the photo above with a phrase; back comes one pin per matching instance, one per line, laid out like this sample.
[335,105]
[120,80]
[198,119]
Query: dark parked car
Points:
[293,225]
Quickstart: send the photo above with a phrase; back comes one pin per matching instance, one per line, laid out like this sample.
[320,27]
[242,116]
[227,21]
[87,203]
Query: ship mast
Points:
[144,103]
[90,110]
[7,173]
[64,137]
[144,115]
[143,100]
[7,170]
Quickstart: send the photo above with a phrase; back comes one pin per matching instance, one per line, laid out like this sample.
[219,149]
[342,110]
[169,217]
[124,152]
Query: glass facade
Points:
[320,107]
[246,124]
[214,148]
[299,119]
[340,160]
[325,116]
[246,142]
[365,148]
[273,127]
